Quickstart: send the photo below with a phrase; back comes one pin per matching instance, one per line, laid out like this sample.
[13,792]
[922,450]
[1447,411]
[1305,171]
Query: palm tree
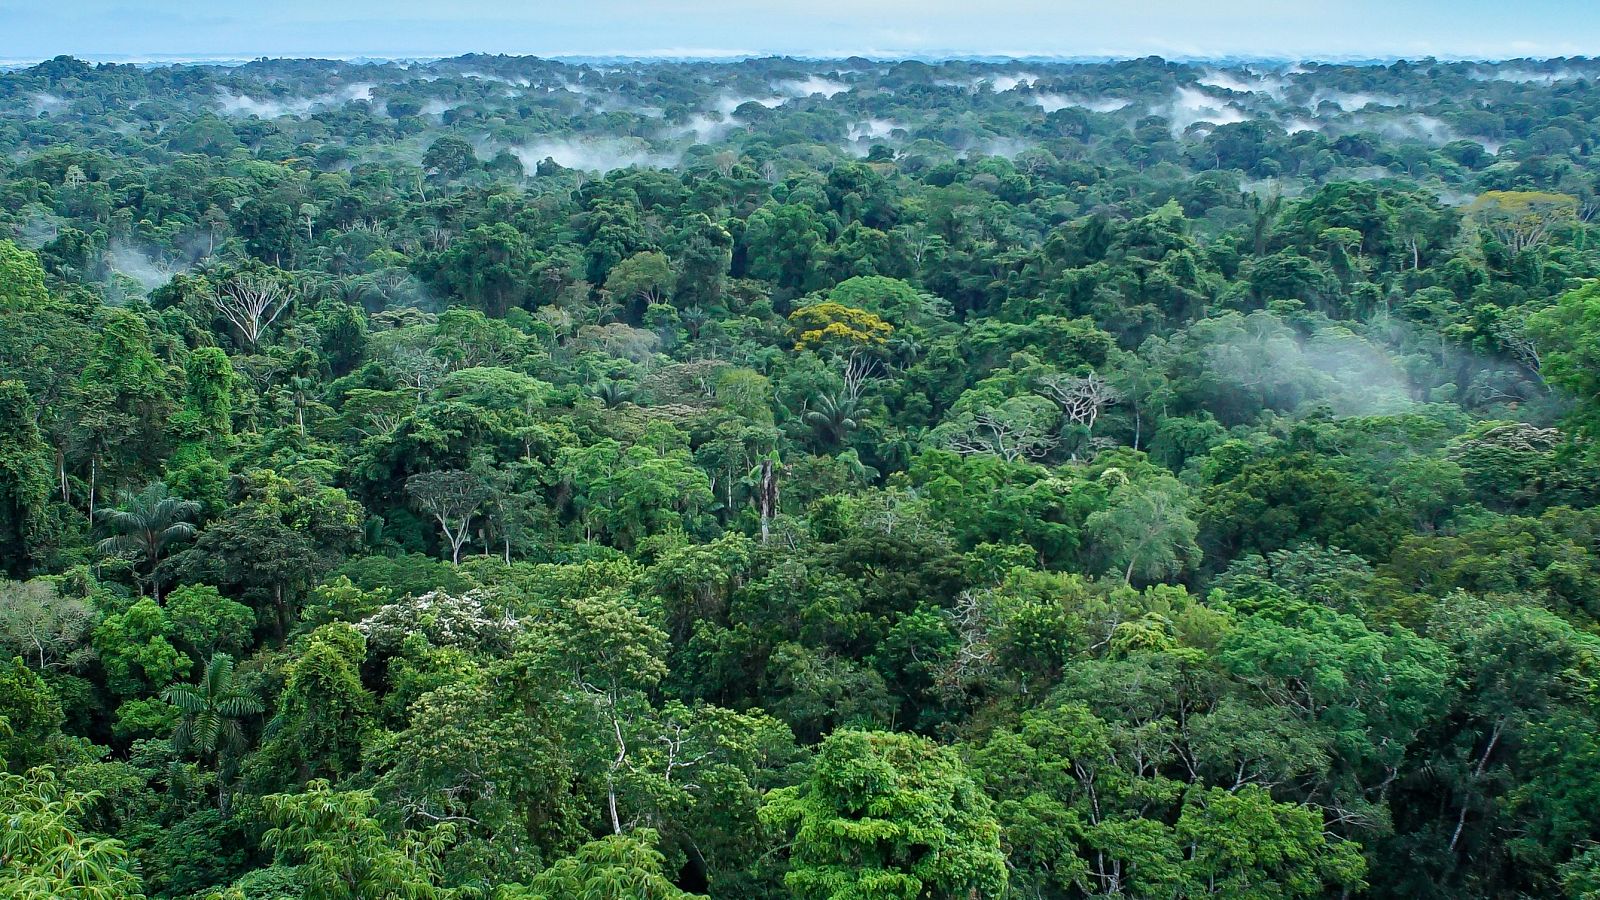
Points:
[610,393]
[833,418]
[906,349]
[149,523]
[298,393]
[694,319]
[211,713]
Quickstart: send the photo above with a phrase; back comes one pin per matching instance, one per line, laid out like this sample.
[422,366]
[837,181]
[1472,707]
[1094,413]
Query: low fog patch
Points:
[705,128]
[592,155]
[999,83]
[39,228]
[1255,361]
[1348,101]
[1243,82]
[1189,107]
[1053,102]
[46,103]
[1428,129]
[1525,76]
[147,270]
[872,130]
[1450,197]
[1268,187]
[1007,147]
[244,105]
[498,79]
[1361,378]
[1357,173]
[236,104]
[440,107]
[711,126]
[1002,83]
[814,84]
[727,103]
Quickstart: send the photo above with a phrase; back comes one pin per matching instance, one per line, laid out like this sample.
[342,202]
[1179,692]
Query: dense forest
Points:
[499,478]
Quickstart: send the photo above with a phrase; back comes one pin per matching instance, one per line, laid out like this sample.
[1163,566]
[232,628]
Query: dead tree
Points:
[1010,438]
[251,304]
[1082,398]
[857,368]
[767,497]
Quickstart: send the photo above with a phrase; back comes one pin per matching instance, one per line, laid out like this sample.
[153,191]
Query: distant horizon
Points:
[1367,30]
[156,60]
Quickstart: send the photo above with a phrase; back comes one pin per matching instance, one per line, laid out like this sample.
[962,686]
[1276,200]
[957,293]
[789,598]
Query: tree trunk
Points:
[282,610]
[1477,772]
[767,498]
[616,765]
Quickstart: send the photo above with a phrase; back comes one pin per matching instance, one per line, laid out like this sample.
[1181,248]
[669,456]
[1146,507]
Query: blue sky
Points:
[1287,28]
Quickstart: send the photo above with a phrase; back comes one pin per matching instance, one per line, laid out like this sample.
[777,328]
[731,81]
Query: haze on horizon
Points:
[156,29]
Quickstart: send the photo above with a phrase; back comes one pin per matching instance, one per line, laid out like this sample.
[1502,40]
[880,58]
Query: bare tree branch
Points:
[251,303]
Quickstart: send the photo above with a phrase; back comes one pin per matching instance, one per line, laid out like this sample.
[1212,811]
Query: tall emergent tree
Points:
[888,816]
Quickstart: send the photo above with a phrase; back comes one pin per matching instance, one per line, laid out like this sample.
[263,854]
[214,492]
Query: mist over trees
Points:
[506,478]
